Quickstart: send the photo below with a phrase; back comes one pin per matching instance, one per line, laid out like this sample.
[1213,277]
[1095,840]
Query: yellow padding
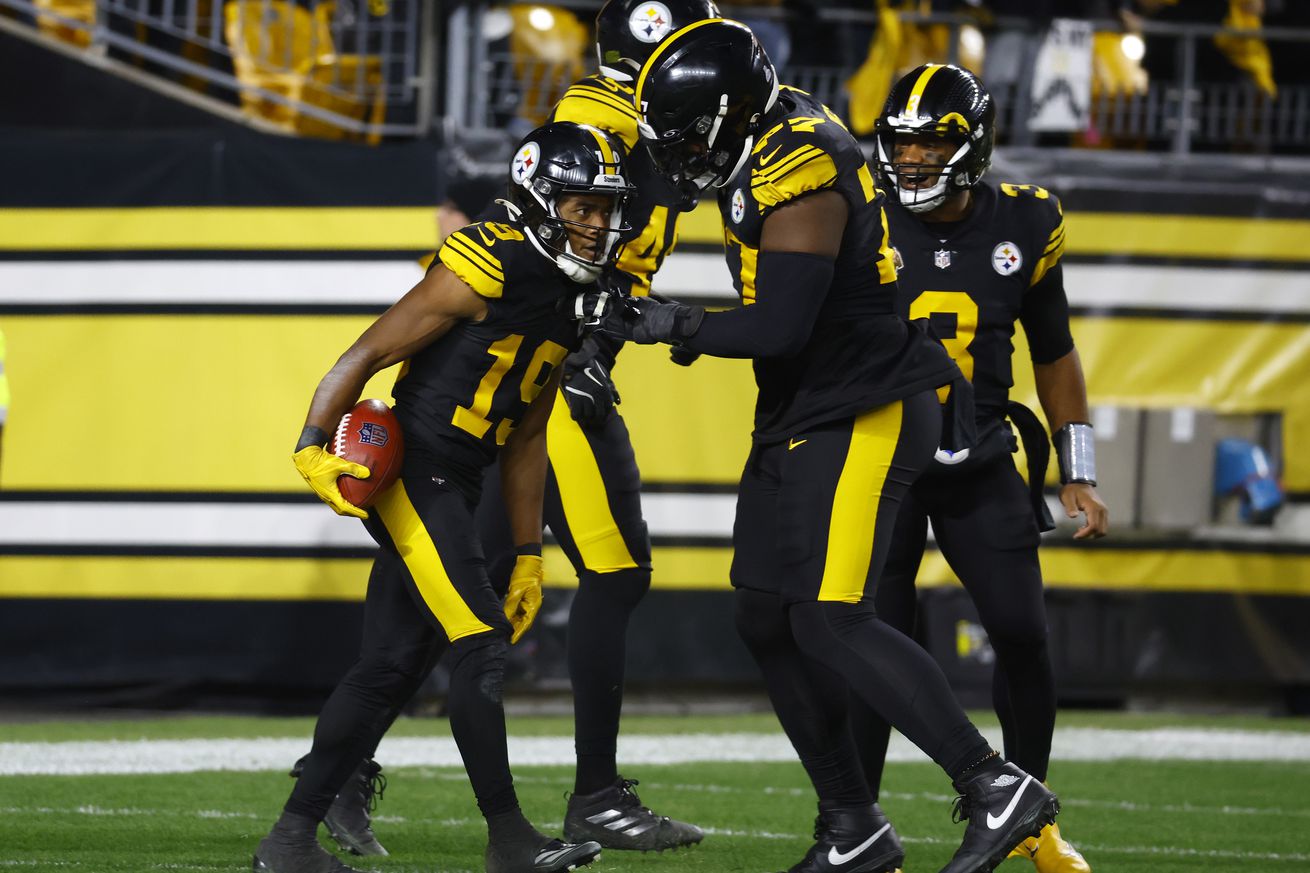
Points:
[582,492]
[856,505]
[424,562]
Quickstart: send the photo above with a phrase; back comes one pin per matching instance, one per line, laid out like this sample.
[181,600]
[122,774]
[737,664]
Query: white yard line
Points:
[260,754]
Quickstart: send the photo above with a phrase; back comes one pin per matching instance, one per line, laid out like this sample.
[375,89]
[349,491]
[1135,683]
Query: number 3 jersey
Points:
[974,278]
[860,354]
[461,397]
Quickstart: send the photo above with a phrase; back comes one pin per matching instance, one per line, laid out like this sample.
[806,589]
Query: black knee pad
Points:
[761,620]
[391,671]
[482,658]
[621,589]
[1019,648]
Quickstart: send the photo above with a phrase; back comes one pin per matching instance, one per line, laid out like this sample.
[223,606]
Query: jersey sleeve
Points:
[783,167]
[1050,231]
[468,254]
[601,103]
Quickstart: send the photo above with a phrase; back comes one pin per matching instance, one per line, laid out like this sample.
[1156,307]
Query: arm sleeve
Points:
[790,288]
[1045,318]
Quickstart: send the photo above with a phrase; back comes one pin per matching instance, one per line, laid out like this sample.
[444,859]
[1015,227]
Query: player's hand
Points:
[523,599]
[1079,497]
[588,388]
[683,356]
[320,468]
[645,320]
[589,308]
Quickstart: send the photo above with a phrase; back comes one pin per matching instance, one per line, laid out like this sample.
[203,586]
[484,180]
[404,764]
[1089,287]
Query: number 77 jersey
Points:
[461,397]
[971,280]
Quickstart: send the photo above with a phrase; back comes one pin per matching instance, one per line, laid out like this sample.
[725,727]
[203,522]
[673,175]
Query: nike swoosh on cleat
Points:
[837,859]
[994,822]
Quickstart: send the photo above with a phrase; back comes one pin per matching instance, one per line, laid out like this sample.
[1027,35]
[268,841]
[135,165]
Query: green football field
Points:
[80,801]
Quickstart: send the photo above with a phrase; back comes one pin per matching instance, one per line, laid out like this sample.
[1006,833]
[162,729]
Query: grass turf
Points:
[1129,817]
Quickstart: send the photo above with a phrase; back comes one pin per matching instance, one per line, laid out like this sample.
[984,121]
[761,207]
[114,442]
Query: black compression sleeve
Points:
[1045,317]
[790,288]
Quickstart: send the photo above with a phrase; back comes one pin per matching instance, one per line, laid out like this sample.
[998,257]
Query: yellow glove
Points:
[320,468]
[524,597]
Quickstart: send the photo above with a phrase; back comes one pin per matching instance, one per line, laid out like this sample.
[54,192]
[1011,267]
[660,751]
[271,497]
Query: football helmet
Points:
[938,100]
[703,95]
[567,158]
[627,31]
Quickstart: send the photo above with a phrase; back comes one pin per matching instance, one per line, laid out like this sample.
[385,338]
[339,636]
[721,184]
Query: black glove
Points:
[587,386]
[588,308]
[683,356]
[645,321]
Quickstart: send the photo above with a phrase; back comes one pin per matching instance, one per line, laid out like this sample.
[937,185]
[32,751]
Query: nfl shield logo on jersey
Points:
[650,22]
[525,161]
[738,206]
[941,259]
[1007,259]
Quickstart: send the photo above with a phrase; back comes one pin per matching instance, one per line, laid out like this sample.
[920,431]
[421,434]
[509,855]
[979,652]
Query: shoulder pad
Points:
[792,158]
[477,255]
[600,102]
[1043,209]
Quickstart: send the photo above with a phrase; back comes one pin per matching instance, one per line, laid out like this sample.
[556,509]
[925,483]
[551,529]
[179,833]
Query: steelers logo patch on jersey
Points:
[1007,259]
[650,22]
[738,206]
[525,162]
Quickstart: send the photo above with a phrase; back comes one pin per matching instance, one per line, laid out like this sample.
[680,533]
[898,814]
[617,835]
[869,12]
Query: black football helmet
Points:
[567,158]
[703,95]
[940,100]
[627,31]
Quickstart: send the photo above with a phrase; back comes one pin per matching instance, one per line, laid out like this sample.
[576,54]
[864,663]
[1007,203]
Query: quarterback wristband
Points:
[1075,452]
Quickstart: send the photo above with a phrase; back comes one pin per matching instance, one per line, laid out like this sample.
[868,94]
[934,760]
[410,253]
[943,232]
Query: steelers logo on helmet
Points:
[1007,259]
[525,162]
[738,206]
[650,22]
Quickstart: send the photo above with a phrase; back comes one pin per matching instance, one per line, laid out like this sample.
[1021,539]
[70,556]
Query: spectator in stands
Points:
[772,31]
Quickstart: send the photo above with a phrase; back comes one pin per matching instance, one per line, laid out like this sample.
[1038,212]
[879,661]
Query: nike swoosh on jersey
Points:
[837,859]
[794,443]
[764,159]
[487,240]
[995,822]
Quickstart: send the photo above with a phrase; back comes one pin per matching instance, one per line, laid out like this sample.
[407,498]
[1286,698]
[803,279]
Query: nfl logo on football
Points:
[372,434]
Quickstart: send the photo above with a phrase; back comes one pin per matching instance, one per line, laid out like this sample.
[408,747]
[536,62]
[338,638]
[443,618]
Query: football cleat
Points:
[347,819]
[852,840]
[1052,853]
[539,854]
[615,818]
[1003,806]
[295,853]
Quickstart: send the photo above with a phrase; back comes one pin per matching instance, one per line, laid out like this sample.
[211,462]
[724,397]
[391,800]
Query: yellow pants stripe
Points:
[420,554]
[582,492]
[857,502]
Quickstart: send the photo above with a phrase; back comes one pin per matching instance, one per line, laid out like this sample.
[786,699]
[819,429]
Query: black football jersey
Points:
[861,354]
[602,102]
[459,398]
[969,280]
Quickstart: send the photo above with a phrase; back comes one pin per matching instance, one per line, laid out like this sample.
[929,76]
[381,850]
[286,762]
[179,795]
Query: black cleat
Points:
[852,840]
[539,854]
[286,853]
[1004,806]
[347,819]
[615,818]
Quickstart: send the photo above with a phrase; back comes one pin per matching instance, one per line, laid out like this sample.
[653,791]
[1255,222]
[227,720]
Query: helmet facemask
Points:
[952,176]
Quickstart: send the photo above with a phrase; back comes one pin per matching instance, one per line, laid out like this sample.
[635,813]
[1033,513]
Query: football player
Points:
[846,418]
[593,496]
[482,337]
[975,258]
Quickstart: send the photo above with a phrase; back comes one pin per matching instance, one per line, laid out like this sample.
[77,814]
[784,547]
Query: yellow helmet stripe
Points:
[659,50]
[607,153]
[916,93]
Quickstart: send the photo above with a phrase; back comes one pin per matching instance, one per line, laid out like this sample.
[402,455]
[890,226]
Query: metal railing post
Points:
[1186,85]
[458,38]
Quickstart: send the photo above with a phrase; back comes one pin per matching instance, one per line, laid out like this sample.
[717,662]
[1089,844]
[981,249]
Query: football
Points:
[369,434]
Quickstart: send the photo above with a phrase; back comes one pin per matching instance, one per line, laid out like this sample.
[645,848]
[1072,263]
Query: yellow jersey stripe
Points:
[600,95]
[477,252]
[886,260]
[582,493]
[471,273]
[661,48]
[916,93]
[812,174]
[776,171]
[858,502]
[420,554]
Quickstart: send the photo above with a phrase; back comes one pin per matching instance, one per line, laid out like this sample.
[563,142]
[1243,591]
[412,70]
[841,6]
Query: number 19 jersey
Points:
[461,397]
